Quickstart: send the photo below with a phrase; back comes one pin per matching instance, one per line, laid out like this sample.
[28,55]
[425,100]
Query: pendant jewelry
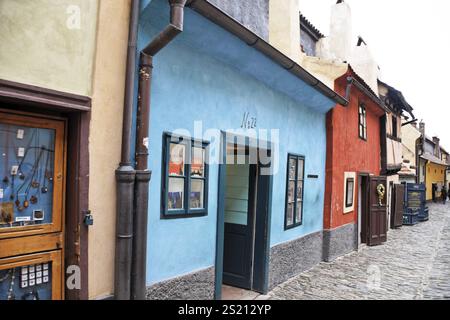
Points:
[21,176]
[26,204]
[17,203]
[11,295]
[33,200]
[5,180]
[44,190]
[49,175]
[35,184]
[6,276]
[20,209]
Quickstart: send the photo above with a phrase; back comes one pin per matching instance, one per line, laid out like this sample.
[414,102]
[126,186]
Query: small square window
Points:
[185,178]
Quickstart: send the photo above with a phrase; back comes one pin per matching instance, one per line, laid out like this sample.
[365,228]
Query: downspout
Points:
[125,174]
[143,175]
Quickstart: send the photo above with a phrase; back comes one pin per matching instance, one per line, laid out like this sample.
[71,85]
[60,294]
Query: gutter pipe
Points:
[125,174]
[143,175]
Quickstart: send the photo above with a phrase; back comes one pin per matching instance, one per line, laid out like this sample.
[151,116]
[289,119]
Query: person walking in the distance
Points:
[444,194]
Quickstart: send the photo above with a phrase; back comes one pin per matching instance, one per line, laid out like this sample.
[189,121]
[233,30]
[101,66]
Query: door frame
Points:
[24,99]
[261,224]
[363,209]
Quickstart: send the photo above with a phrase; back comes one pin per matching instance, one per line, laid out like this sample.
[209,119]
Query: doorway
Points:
[243,219]
[363,207]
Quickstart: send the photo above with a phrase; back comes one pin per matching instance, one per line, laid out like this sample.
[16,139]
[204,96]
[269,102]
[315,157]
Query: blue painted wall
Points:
[208,75]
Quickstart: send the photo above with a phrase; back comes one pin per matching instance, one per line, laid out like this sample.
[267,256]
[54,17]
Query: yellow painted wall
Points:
[48,43]
[284,27]
[105,140]
[434,174]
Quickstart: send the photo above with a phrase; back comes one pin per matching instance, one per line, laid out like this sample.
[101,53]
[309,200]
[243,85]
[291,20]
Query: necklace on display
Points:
[7,275]
[6,156]
[11,295]
[26,203]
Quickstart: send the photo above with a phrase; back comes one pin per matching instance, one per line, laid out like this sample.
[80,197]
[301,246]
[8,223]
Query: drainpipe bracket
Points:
[143,175]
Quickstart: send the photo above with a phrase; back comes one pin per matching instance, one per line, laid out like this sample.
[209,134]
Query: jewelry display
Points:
[11,295]
[27,175]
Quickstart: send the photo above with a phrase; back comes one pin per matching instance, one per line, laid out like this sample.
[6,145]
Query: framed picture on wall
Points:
[349,191]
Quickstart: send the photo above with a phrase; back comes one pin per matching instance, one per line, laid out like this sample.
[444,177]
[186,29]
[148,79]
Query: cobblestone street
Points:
[413,264]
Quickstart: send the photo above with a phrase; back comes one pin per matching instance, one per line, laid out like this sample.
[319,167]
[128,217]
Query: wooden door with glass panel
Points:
[32,178]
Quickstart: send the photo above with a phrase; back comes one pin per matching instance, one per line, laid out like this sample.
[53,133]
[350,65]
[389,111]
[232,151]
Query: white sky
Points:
[410,39]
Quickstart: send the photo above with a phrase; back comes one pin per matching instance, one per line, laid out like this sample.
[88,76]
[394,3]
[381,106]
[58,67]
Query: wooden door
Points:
[239,225]
[397,206]
[377,222]
[32,193]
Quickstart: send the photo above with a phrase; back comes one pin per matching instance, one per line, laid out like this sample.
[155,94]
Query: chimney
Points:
[284,27]
[422,128]
[437,147]
[341,31]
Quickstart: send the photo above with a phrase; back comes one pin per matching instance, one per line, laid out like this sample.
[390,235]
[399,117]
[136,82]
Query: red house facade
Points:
[353,160]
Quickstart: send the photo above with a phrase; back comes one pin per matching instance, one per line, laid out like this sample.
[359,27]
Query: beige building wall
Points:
[77,46]
[410,134]
[105,140]
[48,43]
[284,27]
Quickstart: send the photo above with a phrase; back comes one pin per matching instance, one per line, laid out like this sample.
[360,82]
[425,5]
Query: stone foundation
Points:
[292,258]
[198,285]
[340,241]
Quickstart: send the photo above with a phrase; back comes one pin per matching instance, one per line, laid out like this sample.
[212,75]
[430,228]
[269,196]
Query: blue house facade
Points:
[237,148]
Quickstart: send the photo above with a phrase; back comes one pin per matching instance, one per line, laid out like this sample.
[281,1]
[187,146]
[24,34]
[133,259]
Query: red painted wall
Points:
[346,152]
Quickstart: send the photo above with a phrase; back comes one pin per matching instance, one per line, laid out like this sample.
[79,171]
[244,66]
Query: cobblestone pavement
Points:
[413,264]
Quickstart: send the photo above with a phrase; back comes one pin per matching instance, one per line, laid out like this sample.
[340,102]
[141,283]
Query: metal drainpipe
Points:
[143,175]
[125,174]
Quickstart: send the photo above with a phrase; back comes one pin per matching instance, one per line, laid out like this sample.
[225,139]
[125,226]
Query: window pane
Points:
[27,167]
[361,134]
[298,212]
[299,190]
[177,159]
[290,214]
[350,192]
[175,199]
[291,191]
[198,162]
[196,195]
[300,169]
[292,168]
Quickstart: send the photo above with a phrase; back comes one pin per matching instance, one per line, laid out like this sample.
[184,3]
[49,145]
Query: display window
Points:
[31,175]
[32,195]
[31,277]
[185,177]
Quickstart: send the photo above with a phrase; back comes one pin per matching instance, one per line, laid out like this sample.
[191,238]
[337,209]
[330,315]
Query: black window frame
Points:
[362,124]
[189,143]
[394,126]
[295,224]
[352,180]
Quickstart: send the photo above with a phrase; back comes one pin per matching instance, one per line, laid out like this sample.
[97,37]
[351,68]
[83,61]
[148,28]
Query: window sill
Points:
[176,215]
